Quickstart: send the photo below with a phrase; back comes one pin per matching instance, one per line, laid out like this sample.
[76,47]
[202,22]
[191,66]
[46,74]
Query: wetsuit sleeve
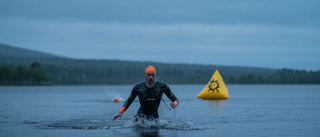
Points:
[170,95]
[130,99]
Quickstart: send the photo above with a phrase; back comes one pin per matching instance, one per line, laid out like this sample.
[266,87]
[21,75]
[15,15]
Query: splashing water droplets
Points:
[176,124]
[114,95]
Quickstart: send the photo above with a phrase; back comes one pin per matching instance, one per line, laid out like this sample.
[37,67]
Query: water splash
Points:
[112,95]
[95,124]
[175,115]
[176,124]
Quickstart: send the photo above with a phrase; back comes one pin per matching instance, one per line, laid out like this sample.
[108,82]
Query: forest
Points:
[283,76]
[38,74]
[22,75]
[27,67]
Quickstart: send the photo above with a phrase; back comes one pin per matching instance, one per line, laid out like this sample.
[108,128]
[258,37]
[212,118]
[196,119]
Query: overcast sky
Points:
[257,33]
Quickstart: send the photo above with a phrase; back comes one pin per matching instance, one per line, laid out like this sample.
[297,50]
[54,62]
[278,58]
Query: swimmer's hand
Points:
[118,115]
[174,104]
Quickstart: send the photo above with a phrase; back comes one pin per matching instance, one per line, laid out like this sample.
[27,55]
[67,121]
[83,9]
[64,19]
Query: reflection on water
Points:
[151,127]
[147,132]
[217,103]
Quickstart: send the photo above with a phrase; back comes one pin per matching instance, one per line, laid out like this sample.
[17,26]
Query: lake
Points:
[251,110]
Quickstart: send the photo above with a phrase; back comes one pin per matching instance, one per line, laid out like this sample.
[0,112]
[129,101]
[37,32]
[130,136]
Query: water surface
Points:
[251,110]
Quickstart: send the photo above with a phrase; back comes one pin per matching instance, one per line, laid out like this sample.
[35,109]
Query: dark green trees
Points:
[22,75]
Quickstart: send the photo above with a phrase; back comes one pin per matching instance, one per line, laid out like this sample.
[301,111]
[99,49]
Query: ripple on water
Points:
[88,124]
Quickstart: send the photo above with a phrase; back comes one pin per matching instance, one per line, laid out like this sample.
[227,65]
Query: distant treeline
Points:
[22,75]
[37,74]
[283,76]
[27,67]
[131,75]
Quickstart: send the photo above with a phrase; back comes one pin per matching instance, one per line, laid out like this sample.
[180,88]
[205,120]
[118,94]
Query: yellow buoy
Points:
[215,89]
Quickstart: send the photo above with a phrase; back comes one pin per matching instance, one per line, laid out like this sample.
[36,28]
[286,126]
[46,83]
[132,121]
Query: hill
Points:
[62,70]
[16,56]
[10,51]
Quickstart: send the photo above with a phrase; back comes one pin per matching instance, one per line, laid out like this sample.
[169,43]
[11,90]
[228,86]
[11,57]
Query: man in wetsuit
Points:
[150,94]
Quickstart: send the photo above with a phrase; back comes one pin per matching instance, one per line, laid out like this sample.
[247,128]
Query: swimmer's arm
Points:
[130,99]
[172,97]
[126,104]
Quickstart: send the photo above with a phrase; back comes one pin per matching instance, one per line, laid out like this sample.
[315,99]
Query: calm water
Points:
[251,110]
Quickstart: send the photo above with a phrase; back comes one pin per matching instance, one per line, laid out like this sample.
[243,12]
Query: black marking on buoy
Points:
[214,85]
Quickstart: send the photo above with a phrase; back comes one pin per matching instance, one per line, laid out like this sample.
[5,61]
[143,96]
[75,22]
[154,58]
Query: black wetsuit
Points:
[149,98]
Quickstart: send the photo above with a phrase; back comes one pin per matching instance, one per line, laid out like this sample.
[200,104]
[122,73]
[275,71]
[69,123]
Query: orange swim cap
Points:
[149,69]
[116,100]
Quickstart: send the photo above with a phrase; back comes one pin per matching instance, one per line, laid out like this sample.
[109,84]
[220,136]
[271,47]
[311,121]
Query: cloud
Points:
[255,33]
[282,12]
[182,42]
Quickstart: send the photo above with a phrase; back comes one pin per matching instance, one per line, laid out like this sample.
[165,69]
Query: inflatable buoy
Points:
[116,100]
[215,89]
